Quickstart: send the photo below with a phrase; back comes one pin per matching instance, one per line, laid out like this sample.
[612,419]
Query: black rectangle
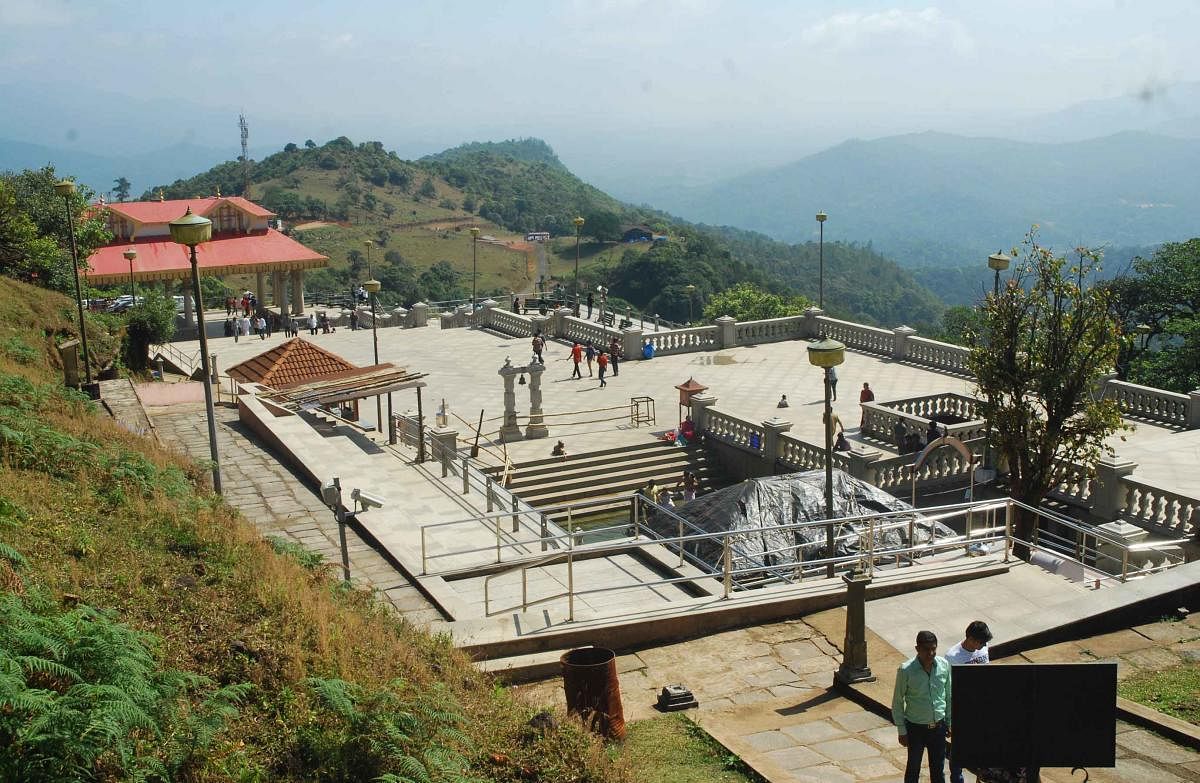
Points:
[1037,715]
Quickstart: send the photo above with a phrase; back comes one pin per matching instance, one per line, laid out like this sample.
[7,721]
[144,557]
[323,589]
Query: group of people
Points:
[921,700]
[246,304]
[242,326]
[910,442]
[685,490]
[589,352]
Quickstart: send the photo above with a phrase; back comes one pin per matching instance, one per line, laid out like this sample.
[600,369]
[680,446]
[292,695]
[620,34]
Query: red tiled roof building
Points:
[243,242]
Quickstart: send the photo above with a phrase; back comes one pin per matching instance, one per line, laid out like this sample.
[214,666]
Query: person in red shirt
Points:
[866,395]
[577,357]
[602,361]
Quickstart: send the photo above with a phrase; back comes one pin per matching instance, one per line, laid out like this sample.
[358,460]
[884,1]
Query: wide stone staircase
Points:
[609,474]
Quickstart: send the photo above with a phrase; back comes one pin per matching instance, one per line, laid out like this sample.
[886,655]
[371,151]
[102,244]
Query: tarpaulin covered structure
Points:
[758,508]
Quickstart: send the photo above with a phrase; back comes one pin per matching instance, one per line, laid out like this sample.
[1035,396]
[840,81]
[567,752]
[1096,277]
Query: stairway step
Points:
[599,454]
[570,470]
[607,484]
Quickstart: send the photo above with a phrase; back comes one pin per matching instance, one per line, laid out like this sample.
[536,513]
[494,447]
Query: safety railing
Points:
[700,338]
[1100,557]
[734,431]
[942,356]
[869,339]
[188,362]
[1146,402]
[1147,505]
[771,330]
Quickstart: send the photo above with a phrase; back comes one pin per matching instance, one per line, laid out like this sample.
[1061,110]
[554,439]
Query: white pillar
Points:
[297,292]
[510,430]
[536,427]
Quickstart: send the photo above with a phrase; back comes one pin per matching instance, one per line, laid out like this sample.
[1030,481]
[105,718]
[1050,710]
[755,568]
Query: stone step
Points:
[571,471]
[600,456]
[553,494]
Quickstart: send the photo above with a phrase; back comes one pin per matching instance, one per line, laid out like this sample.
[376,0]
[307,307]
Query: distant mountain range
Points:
[936,198]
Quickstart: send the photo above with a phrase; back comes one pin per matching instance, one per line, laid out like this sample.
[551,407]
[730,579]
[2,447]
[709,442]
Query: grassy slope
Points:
[108,519]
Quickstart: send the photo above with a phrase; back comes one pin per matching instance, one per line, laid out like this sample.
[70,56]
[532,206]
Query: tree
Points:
[440,283]
[958,322]
[290,147]
[310,144]
[748,302]
[150,323]
[603,225]
[24,254]
[1042,346]
[427,189]
[121,188]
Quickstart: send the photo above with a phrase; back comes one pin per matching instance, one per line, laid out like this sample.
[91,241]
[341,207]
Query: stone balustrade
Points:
[941,356]
[673,341]
[507,322]
[868,339]
[771,330]
[580,331]
[729,429]
[1150,404]
[915,413]
[1150,507]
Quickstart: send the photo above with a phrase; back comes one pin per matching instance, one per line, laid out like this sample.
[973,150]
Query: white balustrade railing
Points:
[771,330]
[734,431]
[869,339]
[1146,402]
[943,356]
[698,338]
[506,322]
[580,331]
[1076,485]
[798,455]
[1145,505]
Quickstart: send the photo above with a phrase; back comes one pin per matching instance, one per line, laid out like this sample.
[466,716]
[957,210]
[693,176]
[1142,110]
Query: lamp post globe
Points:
[998,262]
[474,263]
[130,255]
[578,222]
[821,218]
[191,230]
[66,189]
[827,354]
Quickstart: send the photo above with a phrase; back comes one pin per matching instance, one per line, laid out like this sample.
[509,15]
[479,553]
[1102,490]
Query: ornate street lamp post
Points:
[191,230]
[66,189]
[821,218]
[827,354]
[474,263]
[131,254]
[372,287]
[998,262]
[578,230]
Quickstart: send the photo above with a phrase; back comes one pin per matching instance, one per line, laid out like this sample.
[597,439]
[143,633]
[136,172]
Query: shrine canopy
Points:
[243,242]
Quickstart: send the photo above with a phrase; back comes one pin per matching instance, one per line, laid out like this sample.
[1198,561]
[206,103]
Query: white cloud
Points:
[855,31]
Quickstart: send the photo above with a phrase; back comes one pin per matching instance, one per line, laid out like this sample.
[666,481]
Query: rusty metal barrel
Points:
[593,690]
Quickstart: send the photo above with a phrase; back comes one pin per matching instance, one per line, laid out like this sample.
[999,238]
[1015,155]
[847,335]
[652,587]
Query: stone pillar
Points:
[854,666]
[1108,494]
[726,331]
[420,314]
[297,292]
[700,405]
[275,287]
[812,327]
[631,345]
[539,325]
[260,282]
[281,294]
[772,429]
[902,333]
[861,463]
[510,430]
[536,427]
[558,324]
[1193,410]
[445,441]
[69,353]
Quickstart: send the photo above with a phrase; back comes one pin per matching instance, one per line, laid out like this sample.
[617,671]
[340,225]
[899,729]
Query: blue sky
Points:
[680,82]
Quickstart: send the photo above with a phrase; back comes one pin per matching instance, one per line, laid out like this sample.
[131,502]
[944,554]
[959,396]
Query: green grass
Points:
[1175,691]
[673,749]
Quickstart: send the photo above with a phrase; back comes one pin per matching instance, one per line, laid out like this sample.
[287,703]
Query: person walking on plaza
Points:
[262,328]
[246,325]
[538,345]
[865,396]
[312,323]
[590,303]
[576,358]
[614,355]
[833,382]
[354,320]
[971,650]
[921,709]
[589,351]
[602,361]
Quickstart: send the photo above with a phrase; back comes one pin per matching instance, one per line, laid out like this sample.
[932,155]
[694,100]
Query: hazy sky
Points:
[695,85]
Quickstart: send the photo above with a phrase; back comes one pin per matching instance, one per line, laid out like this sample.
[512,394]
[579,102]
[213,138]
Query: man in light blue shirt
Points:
[921,709]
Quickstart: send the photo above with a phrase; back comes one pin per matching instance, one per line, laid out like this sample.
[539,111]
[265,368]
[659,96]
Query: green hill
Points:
[339,195]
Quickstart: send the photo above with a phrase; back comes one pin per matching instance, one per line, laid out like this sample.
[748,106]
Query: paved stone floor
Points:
[278,502]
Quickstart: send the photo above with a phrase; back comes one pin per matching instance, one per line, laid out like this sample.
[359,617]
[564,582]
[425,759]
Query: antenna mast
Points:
[245,129]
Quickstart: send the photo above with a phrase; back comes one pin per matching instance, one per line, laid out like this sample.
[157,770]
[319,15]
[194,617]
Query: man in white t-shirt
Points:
[972,649]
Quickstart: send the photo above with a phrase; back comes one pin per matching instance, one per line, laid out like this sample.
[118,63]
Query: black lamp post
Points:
[821,218]
[998,262]
[191,230]
[372,287]
[474,263]
[130,255]
[827,354]
[66,189]
[578,230]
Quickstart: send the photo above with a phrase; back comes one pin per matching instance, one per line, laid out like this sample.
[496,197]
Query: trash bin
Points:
[593,690]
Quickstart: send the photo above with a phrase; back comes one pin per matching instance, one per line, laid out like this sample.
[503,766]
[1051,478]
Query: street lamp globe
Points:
[998,261]
[64,187]
[130,255]
[191,229]
[826,353]
[372,286]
